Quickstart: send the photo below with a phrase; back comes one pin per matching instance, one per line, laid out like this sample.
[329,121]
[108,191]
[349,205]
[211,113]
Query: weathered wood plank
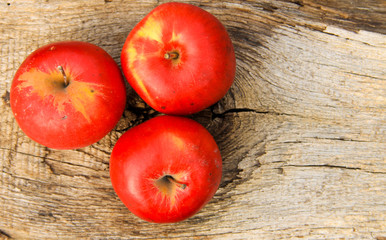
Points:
[302,131]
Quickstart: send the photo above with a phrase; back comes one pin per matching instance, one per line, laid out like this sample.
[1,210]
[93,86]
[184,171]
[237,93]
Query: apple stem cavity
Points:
[66,82]
[171,55]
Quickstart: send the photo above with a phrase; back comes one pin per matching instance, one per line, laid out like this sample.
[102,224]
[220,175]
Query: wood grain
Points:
[302,130]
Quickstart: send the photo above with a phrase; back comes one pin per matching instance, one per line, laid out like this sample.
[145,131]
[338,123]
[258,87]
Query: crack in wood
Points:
[249,110]
[298,2]
[323,165]
[142,114]
[332,167]
[5,234]
[340,139]
[44,158]
[46,214]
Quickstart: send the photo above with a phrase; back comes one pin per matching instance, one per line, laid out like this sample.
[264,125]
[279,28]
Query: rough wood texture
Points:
[302,131]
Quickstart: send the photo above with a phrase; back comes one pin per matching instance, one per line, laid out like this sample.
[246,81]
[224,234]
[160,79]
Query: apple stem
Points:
[171,55]
[172,179]
[64,76]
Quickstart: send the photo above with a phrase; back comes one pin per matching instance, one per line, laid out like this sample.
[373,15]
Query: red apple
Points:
[166,169]
[68,95]
[179,59]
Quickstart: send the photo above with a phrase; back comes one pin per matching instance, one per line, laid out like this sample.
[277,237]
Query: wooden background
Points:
[302,130]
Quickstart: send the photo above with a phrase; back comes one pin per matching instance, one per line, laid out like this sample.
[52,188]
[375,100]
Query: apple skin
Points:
[179,59]
[76,115]
[166,146]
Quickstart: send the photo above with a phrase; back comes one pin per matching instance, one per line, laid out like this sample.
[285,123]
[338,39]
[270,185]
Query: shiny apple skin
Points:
[203,72]
[165,145]
[74,116]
